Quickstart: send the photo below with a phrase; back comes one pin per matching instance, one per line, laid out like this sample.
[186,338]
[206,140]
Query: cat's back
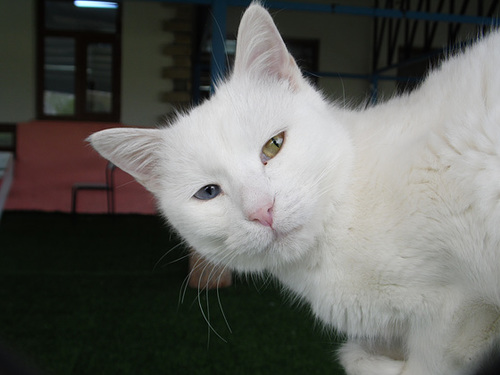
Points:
[463,140]
[461,158]
[451,123]
[429,164]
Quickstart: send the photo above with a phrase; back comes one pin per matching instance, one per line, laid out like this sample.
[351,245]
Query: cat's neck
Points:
[359,227]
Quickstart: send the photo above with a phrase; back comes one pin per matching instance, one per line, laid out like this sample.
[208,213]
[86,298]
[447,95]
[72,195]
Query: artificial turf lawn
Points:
[97,295]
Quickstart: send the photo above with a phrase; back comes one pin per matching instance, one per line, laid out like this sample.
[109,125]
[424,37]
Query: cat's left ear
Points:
[136,151]
[260,50]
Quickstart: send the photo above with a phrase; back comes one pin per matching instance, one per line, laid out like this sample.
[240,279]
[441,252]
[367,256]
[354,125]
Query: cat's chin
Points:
[269,249]
[256,250]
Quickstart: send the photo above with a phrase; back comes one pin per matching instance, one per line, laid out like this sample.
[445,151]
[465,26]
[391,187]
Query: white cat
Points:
[386,221]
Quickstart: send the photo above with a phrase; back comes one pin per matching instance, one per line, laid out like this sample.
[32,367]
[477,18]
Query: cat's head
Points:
[249,177]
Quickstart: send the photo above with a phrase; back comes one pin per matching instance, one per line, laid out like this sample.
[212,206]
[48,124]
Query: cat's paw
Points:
[357,361]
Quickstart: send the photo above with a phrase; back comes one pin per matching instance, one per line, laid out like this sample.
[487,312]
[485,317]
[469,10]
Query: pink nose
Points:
[263,215]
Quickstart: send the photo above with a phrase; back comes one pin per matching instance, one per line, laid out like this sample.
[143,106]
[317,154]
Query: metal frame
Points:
[6,177]
[389,28]
[108,187]
[388,22]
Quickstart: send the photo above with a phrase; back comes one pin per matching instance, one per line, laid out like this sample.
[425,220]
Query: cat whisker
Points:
[205,310]
[221,273]
[177,260]
[206,315]
[183,289]
[258,286]
[207,318]
[223,37]
[228,258]
[318,182]
[167,253]
[221,308]
[185,283]
[124,184]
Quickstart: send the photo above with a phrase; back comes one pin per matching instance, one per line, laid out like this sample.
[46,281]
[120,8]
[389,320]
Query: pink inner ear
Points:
[293,74]
[261,51]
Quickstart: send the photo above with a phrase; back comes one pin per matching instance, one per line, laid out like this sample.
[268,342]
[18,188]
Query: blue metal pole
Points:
[358,11]
[412,15]
[218,60]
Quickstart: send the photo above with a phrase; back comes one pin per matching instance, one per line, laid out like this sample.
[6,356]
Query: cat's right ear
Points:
[260,50]
[136,151]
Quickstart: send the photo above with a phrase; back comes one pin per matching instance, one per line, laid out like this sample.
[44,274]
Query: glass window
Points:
[59,76]
[99,77]
[79,62]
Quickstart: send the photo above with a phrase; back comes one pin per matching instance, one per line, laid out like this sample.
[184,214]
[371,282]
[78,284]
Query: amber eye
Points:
[272,147]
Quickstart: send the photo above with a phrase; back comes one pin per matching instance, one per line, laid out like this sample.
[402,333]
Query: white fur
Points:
[385,220]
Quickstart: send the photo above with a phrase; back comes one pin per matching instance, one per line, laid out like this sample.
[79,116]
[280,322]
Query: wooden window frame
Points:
[82,40]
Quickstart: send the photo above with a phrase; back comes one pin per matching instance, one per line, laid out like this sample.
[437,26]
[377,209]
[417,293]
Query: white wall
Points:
[142,62]
[346,43]
[345,46]
[17,60]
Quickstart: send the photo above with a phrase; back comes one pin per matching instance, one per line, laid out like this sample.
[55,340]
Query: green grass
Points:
[96,295]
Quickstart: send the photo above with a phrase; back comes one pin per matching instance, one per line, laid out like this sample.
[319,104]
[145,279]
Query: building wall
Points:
[345,47]
[143,61]
[346,43]
[17,60]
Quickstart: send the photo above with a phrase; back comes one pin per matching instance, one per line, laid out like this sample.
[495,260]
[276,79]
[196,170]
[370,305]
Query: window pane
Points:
[99,80]
[59,76]
[64,15]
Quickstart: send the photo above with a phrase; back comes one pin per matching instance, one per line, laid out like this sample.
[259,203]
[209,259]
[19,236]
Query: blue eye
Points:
[208,192]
